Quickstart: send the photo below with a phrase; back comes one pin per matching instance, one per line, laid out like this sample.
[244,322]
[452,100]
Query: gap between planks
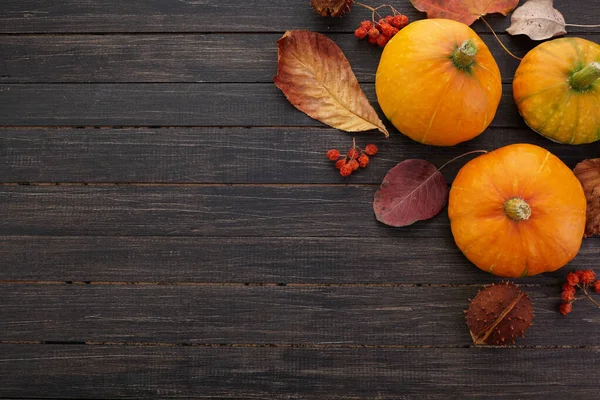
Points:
[264,284]
[284,345]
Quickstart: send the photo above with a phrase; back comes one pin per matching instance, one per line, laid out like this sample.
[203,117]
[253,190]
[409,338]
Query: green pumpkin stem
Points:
[464,56]
[517,209]
[585,77]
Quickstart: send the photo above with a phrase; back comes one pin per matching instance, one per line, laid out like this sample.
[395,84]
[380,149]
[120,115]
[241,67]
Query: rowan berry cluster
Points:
[381,32]
[355,158]
[578,280]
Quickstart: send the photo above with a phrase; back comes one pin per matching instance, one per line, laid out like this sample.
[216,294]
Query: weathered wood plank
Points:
[185,104]
[222,16]
[227,155]
[383,260]
[183,58]
[354,315]
[199,211]
[290,373]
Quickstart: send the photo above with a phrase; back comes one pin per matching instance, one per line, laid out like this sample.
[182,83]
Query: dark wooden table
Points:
[170,226]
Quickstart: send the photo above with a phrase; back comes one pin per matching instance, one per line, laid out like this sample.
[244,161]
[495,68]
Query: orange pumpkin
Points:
[557,90]
[517,211]
[438,83]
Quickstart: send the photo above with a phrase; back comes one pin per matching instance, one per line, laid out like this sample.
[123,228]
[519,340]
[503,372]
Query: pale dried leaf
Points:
[316,78]
[465,11]
[537,19]
[588,173]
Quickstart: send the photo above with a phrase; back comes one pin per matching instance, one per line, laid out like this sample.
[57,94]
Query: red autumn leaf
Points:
[465,11]
[588,173]
[412,191]
[316,78]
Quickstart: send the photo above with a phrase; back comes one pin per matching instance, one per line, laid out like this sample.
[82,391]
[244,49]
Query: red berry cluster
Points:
[355,158]
[381,32]
[582,280]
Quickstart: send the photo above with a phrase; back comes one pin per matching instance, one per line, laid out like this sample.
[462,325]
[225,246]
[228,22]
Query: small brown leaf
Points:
[465,11]
[412,191]
[316,78]
[588,173]
[499,314]
[333,8]
[537,19]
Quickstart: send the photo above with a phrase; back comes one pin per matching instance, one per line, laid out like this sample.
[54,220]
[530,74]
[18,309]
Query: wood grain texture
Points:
[228,155]
[382,260]
[361,315]
[231,58]
[199,211]
[211,16]
[284,373]
[160,104]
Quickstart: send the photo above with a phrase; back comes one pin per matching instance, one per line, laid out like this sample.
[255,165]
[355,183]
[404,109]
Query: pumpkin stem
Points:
[464,56]
[585,77]
[517,209]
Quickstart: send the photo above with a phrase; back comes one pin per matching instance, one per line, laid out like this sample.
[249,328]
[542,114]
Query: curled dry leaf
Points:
[316,78]
[465,11]
[537,19]
[333,8]
[499,314]
[588,173]
[412,191]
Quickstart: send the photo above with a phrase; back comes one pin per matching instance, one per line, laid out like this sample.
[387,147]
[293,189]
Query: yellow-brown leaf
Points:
[316,78]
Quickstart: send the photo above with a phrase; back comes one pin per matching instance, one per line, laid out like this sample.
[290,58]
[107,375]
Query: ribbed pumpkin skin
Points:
[425,95]
[545,98]
[548,240]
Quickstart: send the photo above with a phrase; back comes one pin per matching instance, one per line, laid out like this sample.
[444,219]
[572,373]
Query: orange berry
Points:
[340,163]
[566,308]
[333,154]
[363,161]
[597,286]
[360,33]
[352,154]
[382,41]
[353,164]
[346,170]
[572,278]
[374,33]
[371,149]
[587,277]
[366,24]
[399,21]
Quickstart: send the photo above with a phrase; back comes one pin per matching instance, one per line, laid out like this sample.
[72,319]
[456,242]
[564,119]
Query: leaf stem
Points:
[374,9]
[583,288]
[461,156]
[499,41]
[584,26]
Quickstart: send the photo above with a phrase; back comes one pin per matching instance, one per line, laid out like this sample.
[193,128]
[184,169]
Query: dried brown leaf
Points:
[537,19]
[588,173]
[465,11]
[316,78]
[333,8]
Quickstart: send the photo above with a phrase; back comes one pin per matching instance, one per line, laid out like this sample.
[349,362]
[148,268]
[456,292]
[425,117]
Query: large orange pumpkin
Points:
[438,83]
[517,211]
[557,90]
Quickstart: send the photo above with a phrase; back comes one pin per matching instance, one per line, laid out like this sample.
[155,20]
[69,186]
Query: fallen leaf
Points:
[537,19]
[412,191]
[588,173]
[465,11]
[499,314]
[316,78]
[332,8]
